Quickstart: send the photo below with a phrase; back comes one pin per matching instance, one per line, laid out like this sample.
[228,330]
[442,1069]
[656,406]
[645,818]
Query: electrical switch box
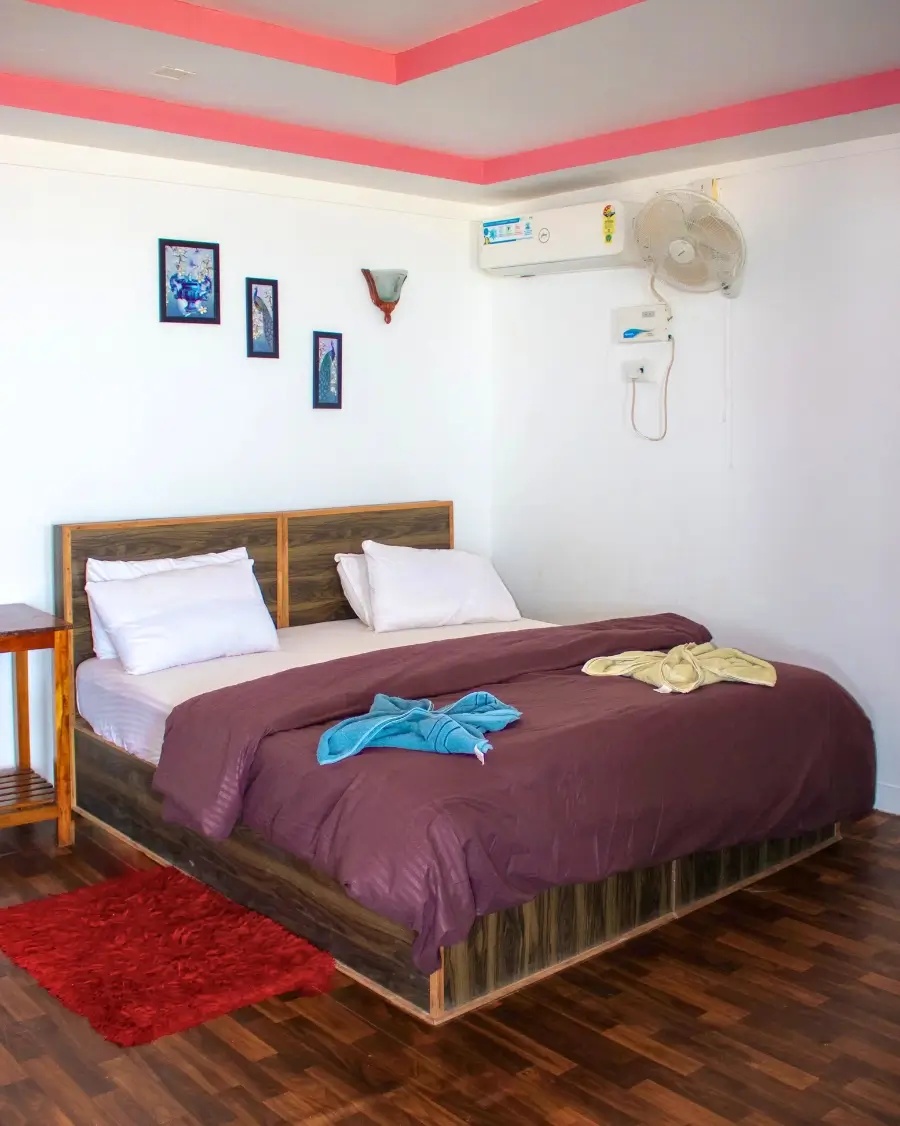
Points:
[641,324]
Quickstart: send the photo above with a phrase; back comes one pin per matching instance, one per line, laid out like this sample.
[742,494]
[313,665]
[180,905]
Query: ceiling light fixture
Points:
[172,73]
[384,289]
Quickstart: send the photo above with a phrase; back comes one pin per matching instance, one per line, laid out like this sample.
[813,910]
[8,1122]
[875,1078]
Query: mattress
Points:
[131,711]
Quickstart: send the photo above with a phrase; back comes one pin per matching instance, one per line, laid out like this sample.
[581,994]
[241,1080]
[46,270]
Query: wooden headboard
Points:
[293,552]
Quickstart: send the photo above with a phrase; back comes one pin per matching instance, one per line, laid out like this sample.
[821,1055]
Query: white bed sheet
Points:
[131,711]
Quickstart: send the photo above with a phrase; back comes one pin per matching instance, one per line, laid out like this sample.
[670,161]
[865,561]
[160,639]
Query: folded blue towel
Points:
[414,725]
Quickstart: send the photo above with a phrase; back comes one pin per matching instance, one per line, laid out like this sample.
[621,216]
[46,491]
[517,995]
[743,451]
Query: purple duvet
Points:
[599,776]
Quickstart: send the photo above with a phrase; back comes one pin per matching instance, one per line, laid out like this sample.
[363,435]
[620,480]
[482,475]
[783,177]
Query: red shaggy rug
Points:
[155,952]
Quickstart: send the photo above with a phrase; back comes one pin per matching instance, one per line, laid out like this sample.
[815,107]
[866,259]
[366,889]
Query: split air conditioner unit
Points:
[591,236]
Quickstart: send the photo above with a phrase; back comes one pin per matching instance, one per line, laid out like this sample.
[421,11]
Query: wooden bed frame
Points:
[294,562]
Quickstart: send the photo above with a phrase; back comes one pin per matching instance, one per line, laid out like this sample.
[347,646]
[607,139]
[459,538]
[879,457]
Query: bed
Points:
[118,738]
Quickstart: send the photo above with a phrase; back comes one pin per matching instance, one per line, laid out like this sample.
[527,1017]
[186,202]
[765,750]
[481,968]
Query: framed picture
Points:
[262,318]
[188,282]
[328,374]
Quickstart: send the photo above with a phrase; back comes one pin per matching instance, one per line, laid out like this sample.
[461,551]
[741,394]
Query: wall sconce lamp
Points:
[384,289]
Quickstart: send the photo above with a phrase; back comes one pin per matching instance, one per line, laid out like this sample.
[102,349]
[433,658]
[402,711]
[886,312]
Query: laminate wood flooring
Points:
[779,1006]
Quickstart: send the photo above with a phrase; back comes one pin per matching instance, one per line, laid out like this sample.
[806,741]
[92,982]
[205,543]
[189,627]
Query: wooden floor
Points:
[777,1007]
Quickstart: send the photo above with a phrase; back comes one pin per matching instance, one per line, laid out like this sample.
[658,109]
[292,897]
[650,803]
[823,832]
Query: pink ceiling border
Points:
[796,107]
[854,95]
[524,25]
[239,33]
[94,104]
[275,41]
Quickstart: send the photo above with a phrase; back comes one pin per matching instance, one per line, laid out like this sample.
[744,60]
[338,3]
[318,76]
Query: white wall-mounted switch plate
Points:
[637,371]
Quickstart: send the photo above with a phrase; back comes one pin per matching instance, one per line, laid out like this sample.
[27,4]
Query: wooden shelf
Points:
[25,797]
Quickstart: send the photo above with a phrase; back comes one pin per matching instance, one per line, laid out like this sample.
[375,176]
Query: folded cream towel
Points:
[686,667]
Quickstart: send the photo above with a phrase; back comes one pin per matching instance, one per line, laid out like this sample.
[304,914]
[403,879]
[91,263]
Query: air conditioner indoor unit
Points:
[590,236]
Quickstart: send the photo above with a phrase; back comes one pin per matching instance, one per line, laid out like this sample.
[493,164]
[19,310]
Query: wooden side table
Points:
[25,796]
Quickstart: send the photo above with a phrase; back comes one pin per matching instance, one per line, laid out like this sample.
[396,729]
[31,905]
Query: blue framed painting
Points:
[328,370]
[262,318]
[188,282]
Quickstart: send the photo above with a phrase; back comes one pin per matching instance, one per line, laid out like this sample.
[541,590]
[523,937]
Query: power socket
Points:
[636,371]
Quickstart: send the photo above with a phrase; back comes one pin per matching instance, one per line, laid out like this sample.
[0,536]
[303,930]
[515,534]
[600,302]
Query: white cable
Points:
[729,385]
[665,400]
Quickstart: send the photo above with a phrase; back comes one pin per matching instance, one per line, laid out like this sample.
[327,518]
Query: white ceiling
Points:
[389,24]
[652,62]
[644,64]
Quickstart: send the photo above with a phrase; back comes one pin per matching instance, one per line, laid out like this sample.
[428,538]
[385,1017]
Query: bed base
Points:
[294,563]
[504,952]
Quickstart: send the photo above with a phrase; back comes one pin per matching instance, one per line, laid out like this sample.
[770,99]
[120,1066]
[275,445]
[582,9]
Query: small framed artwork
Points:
[328,370]
[262,318]
[188,282]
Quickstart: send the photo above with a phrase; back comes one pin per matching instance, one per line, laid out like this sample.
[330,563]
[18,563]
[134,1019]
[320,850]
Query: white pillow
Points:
[185,616]
[413,588]
[104,570]
[354,575]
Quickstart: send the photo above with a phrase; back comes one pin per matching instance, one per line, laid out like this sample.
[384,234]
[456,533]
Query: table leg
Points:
[23,724]
[62,683]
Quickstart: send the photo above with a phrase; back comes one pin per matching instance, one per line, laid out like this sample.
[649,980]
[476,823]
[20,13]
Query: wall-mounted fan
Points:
[691,241]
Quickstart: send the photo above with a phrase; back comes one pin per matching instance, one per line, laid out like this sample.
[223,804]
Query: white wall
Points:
[770,512]
[105,413]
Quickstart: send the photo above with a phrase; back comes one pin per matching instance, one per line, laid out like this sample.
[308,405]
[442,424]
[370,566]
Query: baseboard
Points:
[887,797]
